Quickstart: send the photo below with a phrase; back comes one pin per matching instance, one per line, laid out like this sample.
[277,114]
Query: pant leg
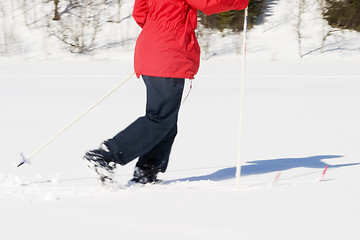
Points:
[158,158]
[162,106]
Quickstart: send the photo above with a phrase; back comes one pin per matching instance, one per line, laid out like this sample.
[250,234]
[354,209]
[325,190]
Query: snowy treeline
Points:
[78,25]
[49,27]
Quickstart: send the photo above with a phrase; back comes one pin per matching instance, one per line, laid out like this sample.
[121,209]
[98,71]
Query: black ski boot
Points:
[144,176]
[102,163]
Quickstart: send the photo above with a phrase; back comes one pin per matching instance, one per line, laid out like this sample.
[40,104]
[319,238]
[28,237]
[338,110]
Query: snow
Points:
[299,117]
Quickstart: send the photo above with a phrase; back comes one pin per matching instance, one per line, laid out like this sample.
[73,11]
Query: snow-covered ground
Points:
[300,115]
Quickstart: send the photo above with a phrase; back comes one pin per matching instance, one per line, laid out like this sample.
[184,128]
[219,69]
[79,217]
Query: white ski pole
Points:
[26,159]
[238,165]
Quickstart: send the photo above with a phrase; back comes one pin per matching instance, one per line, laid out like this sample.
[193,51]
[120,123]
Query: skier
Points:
[166,53]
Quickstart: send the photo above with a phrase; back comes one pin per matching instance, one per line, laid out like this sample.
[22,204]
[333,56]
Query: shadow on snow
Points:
[268,166]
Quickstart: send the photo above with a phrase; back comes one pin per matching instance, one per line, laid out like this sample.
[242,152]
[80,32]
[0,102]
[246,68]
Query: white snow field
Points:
[300,115]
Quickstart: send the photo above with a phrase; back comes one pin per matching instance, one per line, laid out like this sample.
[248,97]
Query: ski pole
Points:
[238,165]
[26,159]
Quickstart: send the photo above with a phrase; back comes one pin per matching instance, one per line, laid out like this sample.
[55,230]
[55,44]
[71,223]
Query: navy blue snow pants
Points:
[150,137]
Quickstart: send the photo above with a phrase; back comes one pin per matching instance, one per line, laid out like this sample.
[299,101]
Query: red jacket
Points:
[167,45]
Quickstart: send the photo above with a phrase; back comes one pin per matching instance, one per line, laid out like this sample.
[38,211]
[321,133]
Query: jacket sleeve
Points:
[216,6]
[140,12]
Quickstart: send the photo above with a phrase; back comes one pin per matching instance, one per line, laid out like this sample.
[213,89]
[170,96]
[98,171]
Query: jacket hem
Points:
[187,76]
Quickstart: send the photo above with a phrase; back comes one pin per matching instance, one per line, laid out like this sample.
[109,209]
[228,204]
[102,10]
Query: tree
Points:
[343,14]
[80,24]
[300,13]
[56,11]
